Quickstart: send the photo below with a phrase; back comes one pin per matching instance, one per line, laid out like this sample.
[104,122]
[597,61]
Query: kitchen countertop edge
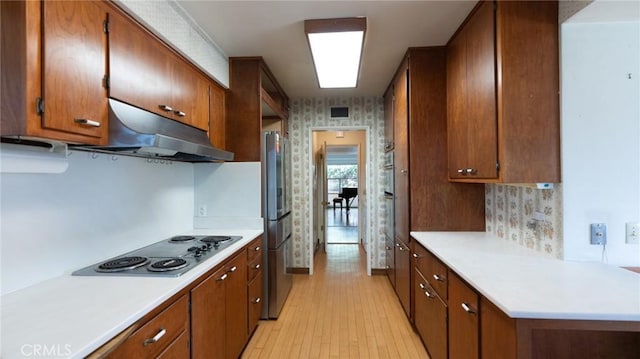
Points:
[488,265]
[26,323]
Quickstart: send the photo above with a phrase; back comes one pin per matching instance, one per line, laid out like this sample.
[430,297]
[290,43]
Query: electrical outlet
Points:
[633,233]
[202,210]
[598,234]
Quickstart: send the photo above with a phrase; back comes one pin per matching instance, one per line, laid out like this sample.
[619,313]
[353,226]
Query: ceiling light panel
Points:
[336,48]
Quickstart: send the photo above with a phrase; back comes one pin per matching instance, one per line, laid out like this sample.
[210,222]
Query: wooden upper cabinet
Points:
[217,115]
[255,103]
[502,94]
[147,74]
[52,83]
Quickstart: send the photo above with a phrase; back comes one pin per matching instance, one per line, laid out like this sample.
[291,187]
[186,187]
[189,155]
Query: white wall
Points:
[230,193]
[52,224]
[600,137]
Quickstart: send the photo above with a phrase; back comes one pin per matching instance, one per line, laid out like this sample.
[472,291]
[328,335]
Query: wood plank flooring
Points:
[339,312]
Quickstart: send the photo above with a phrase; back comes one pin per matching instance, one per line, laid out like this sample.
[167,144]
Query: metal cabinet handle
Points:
[404,172]
[467,171]
[257,248]
[429,295]
[421,286]
[401,248]
[155,339]
[166,108]
[233,269]
[257,300]
[416,255]
[438,277]
[84,121]
[257,266]
[388,267]
[397,244]
[387,248]
[223,277]
[468,308]
[179,113]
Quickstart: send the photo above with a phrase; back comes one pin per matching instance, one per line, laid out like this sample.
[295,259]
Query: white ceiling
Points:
[608,11]
[275,31]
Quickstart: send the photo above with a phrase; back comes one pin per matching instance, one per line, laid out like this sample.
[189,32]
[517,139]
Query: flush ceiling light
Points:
[336,48]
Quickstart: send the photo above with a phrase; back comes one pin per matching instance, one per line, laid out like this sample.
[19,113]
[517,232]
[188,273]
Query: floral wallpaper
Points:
[314,112]
[510,216]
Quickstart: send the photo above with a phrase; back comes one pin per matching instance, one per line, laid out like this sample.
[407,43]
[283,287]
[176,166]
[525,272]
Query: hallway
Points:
[339,312]
[342,226]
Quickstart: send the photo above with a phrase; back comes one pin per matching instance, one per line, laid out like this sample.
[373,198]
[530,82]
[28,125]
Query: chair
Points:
[337,200]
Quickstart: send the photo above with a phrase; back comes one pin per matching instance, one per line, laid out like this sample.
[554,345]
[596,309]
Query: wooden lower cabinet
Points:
[463,319]
[430,318]
[255,284]
[403,275]
[161,336]
[219,313]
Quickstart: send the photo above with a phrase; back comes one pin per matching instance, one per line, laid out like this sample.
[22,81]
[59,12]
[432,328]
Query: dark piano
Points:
[349,193]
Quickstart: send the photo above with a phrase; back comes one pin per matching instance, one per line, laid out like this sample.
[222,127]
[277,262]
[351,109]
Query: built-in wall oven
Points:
[277,238]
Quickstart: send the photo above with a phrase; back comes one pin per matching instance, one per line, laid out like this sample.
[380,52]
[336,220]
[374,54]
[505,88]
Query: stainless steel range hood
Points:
[136,132]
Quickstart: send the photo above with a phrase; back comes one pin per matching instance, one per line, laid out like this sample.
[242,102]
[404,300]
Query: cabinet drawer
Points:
[163,328]
[255,302]
[254,249]
[433,270]
[254,269]
[178,349]
[463,320]
[430,318]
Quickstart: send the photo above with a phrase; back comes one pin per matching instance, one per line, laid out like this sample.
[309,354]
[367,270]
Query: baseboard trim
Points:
[378,271]
[298,270]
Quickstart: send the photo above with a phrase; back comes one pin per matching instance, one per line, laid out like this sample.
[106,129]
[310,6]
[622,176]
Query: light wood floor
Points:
[339,312]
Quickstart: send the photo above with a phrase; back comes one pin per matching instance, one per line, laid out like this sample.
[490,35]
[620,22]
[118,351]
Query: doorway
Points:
[339,174]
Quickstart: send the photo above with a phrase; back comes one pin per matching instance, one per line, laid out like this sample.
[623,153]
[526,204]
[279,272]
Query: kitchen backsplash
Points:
[510,215]
[307,113]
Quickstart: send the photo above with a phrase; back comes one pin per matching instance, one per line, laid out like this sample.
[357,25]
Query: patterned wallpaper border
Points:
[307,113]
[510,208]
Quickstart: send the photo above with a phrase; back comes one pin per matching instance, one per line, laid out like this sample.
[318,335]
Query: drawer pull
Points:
[257,248]
[387,248]
[155,339]
[223,277]
[388,267]
[467,171]
[429,295]
[438,277]
[233,269]
[468,309]
[179,113]
[257,266]
[421,286]
[416,255]
[257,300]
[401,248]
[166,108]
[84,121]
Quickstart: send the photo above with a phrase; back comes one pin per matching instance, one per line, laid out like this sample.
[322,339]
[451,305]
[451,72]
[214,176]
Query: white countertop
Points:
[71,316]
[526,284]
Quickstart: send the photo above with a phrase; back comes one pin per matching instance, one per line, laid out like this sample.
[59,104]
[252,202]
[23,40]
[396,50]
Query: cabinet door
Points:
[471,98]
[456,103]
[139,68]
[255,302]
[236,306]
[463,320]
[74,53]
[430,317]
[401,155]
[391,263]
[403,275]
[190,95]
[208,315]
[482,142]
[388,119]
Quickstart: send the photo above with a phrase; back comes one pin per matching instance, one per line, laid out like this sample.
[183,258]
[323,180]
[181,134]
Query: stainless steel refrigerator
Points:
[277,217]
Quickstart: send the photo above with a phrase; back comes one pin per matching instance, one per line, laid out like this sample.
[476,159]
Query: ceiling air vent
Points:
[339,112]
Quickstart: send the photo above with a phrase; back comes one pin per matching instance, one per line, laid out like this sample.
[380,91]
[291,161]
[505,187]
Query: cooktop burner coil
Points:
[123,264]
[167,265]
[179,239]
[215,239]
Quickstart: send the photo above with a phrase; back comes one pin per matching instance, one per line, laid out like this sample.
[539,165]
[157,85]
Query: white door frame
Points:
[369,201]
